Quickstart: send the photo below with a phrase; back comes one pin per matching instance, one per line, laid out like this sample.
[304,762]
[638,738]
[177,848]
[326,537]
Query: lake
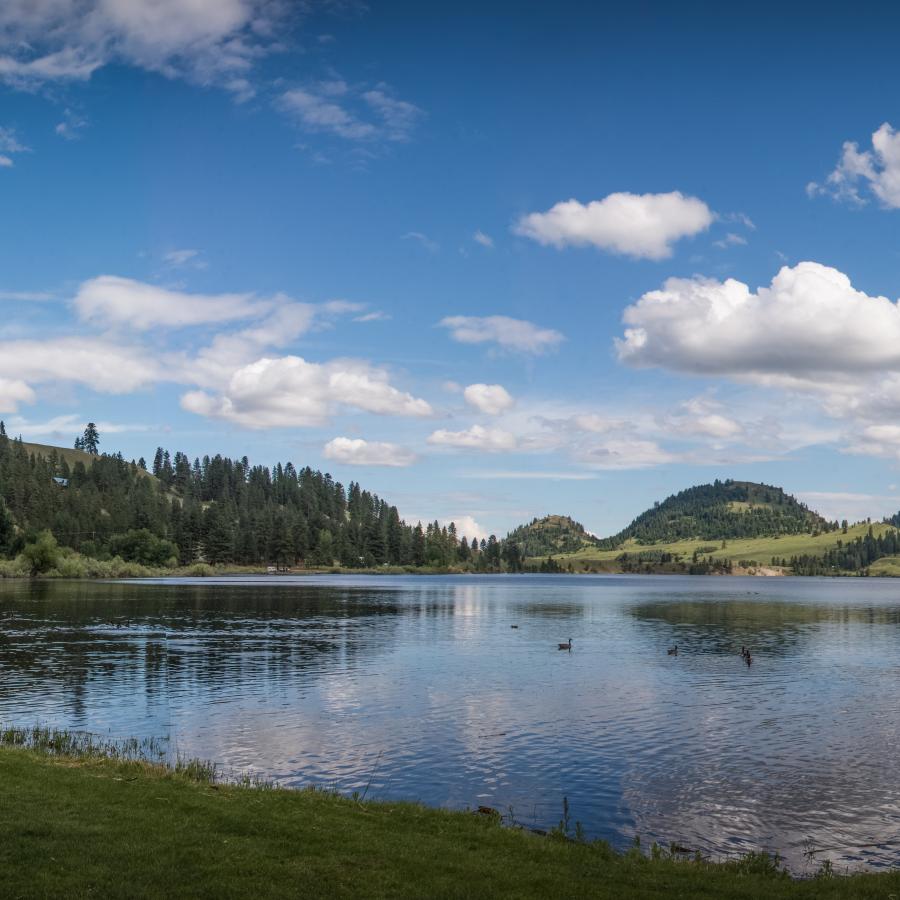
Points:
[419,688]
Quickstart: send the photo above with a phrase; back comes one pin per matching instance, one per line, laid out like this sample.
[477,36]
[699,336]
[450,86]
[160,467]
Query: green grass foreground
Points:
[99,827]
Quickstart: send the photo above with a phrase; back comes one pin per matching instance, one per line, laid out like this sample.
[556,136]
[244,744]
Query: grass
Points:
[759,549]
[80,818]
[69,454]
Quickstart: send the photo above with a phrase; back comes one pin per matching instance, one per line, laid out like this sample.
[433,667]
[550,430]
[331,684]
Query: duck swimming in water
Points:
[566,646]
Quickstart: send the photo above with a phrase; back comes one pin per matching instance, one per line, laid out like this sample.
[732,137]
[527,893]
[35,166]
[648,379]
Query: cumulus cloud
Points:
[492,399]
[209,42]
[13,392]
[638,225]
[877,170]
[475,438]
[510,334]
[358,452]
[467,527]
[810,323]
[104,365]
[111,300]
[289,391]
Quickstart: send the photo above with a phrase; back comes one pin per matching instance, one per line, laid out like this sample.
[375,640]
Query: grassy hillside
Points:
[723,509]
[70,455]
[760,550]
[551,536]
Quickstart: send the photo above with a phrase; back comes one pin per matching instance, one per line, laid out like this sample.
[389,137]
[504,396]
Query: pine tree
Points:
[90,441]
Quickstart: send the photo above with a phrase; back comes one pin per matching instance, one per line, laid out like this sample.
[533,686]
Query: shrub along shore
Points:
[80,817]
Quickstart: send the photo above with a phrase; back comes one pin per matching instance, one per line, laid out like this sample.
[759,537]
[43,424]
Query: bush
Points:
[142,546]
[42,554]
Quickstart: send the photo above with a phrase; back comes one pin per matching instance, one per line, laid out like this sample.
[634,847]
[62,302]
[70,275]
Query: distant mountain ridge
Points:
[723,509]
[551,535]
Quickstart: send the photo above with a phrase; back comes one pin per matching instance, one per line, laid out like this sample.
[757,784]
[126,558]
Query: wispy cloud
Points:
[351,112]
[421,238]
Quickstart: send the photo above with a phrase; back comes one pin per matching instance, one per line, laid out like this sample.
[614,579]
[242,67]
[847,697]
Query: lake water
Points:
[418,688]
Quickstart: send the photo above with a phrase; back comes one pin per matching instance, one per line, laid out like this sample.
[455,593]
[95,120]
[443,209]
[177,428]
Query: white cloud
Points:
[9,144]
[625,453]
[467,527]
[71,125]
[536,475]
[289,391]
[492,399]
[13,392]
[375,316]
[510,334]
[398,117]
[349,112]
[877,169]
[209,42]
[107,366]
[730,240]
[179,258]
[420,238]
[475,438]
[484,239]
[111,300]
[67,424]
[809,324]
[357,452]
[703,417]
[639,225]
[837,505]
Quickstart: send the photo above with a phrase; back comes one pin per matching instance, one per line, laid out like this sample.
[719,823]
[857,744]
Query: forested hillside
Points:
[215,510]
[550,535]
[722,510]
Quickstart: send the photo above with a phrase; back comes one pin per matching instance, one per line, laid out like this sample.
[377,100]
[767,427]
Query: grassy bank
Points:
[761,549]
[77,823]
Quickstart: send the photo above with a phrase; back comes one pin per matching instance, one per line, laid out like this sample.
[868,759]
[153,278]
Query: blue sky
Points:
[492,267]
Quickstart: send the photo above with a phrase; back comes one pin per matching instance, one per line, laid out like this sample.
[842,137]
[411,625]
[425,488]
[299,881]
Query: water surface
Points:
[420,688]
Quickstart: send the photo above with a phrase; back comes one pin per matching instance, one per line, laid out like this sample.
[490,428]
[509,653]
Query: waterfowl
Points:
[673,651]
[748,658]
[513,626]
[566,646]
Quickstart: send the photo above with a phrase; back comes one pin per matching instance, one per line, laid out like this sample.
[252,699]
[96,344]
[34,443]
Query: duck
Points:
[513,626]
[567,646]
[748,658]
[673,651]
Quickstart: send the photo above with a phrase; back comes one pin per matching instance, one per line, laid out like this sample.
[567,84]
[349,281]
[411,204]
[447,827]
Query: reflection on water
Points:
[421,687]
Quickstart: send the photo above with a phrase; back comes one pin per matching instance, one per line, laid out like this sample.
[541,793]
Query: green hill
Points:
[721,510]
[551,535]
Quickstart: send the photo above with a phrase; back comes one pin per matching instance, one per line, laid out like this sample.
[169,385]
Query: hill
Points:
[550,536]
[213,510]
[721,510]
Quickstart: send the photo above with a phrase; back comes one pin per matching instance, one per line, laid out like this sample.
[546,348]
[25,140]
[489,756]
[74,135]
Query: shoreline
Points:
[77,815]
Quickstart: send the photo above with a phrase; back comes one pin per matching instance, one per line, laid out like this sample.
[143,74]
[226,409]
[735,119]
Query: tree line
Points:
[216,510]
